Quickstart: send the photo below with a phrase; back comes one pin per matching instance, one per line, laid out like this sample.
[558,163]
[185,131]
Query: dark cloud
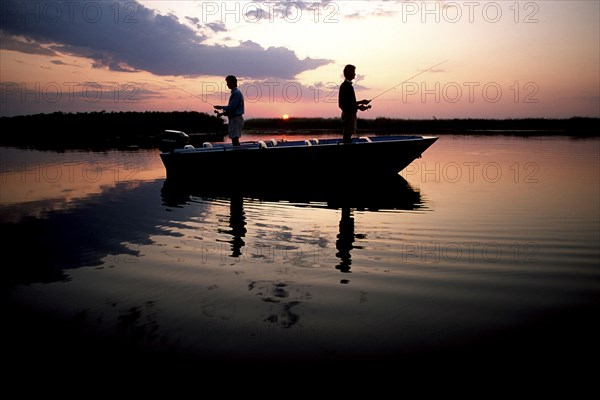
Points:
[217,26]
[23,46]
[258,14]
[60,62]
[138,38]
[194,21]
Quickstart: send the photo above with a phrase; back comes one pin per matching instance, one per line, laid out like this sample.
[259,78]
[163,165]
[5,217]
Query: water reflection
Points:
[390,193]
[385,193]
[465,274]
[237,225]
[115,223]
[345,240]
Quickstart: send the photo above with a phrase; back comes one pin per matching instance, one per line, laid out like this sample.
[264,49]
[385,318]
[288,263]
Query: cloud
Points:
[328,9]
[217,26]
[139,39]
[23,45]
[60,62]
[194,22]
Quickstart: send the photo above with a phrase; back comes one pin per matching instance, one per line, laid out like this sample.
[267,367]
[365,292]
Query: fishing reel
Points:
[219,114]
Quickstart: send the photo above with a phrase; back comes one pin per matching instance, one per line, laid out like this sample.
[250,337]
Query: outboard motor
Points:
[171,140]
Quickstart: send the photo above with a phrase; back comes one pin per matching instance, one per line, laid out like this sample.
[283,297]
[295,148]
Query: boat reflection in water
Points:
[377,194]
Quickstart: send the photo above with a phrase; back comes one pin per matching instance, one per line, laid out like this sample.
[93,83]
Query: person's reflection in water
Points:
[237,223]
[345,240]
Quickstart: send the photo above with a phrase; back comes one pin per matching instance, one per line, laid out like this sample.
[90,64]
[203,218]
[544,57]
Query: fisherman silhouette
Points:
[348,104]
[234,110]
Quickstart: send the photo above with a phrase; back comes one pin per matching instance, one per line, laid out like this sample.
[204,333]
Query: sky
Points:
[414,59]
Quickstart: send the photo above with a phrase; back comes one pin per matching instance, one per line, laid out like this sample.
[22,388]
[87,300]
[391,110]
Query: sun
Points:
[285,117]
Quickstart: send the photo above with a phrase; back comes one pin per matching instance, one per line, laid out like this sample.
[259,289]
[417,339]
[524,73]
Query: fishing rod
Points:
[219,114]
[178,88]
[404,81]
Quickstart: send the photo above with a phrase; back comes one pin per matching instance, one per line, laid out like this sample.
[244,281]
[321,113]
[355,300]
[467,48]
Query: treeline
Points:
[577,126]
[100,130]
[103,129]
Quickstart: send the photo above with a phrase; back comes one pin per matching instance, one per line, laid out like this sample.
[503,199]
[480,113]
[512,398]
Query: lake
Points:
[486,250]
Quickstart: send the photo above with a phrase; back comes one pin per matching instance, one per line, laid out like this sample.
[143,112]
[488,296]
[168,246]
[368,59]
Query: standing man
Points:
[348,104]
[234,110]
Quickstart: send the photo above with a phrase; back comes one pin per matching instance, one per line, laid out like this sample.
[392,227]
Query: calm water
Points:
[489,249]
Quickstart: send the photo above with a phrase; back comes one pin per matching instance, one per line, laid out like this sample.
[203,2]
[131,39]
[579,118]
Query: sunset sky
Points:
[503,59]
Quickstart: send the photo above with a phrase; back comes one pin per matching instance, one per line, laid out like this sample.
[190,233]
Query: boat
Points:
[168,138]
[273,161]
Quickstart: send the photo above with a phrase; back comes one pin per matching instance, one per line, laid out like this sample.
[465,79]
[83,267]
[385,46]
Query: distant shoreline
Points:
[576,126]
[102,130]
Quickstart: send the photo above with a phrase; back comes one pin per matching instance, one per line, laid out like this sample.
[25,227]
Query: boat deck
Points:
[263,144]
